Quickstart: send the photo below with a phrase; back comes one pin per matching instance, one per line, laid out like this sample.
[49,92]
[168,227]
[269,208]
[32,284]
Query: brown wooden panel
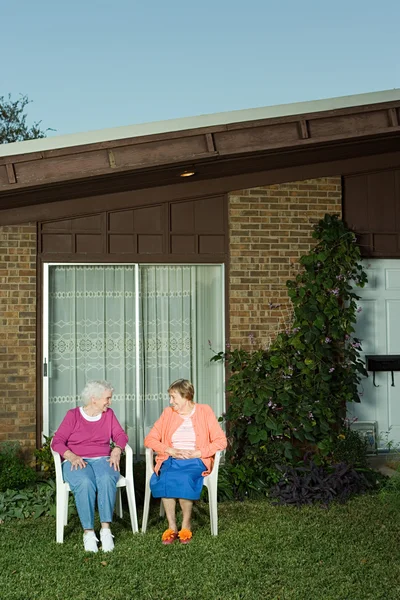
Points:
[165,151]
[57,243]
[366,243]
[381,201]
[355,202]
[372,210]
[145,230]
[182,216]
[87,223]
[386,244]
[147,220]
[122,244]
[87,243]
[64,225]
[211,244]
[150,244]
[355,124]
[183,244]
[3,176]
[56,168]
[209,215]
[255,138]
[121,221]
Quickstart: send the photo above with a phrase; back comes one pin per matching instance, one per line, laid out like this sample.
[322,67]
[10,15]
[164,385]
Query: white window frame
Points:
[45,324]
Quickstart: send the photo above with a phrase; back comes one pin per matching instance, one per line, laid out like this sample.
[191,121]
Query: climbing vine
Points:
[290,398]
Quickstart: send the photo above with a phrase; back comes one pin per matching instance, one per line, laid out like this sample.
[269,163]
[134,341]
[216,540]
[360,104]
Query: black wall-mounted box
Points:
[383,362]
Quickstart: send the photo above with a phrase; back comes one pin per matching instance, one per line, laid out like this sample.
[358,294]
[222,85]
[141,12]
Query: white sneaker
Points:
[90,541]
[107,542]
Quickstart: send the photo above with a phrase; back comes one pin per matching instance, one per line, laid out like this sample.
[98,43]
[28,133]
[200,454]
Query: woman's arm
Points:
[154,437]
[59,443]
[215,435]
[118,435]
[120,439]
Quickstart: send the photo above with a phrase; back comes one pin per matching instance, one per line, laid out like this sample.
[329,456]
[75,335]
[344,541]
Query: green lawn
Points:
[349,552]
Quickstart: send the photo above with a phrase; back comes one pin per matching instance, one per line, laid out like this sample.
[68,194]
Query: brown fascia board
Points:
[197,145]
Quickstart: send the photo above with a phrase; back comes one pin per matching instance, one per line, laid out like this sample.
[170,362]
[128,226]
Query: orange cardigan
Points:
[209,435]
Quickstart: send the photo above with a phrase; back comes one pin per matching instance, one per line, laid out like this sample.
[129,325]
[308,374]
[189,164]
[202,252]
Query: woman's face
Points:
[176,401]
[103,403]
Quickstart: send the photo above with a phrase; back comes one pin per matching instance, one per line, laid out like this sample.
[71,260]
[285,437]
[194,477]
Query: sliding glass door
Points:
[137,326]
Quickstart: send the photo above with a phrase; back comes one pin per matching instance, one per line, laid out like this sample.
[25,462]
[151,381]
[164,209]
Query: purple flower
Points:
[359,309]
[334,292]
[251,338]
[310,415]
[328,340]
[331,369]
[209,343]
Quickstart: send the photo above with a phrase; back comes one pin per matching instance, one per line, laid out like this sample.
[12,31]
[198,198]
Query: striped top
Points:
[184,438]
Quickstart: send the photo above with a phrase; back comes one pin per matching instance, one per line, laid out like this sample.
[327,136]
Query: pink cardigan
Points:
[88,438]
[209,435]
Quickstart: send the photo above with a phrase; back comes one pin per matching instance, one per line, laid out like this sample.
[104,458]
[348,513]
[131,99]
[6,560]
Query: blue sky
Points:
[92,64]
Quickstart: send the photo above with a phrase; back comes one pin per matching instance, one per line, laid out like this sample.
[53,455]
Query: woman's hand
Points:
[115,457]
[76,461]
[183,454]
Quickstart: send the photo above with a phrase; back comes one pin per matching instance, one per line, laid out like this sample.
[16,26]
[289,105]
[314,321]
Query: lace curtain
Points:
[96,333]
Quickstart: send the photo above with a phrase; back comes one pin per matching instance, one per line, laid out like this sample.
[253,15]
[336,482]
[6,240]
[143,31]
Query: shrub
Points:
[351,448]
[310,483]
[14,473]
[36,500]
[44,458]
[290,398]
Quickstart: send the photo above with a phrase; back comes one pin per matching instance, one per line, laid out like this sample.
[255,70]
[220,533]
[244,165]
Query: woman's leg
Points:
[186,506]
[106,482]
[83,485]
[169,506]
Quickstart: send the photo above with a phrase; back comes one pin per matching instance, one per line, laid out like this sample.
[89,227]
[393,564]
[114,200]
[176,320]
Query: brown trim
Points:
[393,118]
[217,151]
[78,205]
[11,173]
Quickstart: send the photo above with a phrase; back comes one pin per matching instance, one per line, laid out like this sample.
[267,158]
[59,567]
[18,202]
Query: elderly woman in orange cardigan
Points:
[185,438]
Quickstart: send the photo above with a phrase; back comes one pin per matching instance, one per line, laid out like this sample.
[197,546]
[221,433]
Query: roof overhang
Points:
[257,151]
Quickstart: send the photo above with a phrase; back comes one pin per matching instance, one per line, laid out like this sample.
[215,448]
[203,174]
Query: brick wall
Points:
[270,229]
[18,334]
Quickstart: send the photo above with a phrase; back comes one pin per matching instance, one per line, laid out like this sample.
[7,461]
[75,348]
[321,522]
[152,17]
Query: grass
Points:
[349,552]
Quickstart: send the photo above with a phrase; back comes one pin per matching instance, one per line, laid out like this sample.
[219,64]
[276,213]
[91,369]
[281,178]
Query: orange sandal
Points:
[169,536]
[185,535]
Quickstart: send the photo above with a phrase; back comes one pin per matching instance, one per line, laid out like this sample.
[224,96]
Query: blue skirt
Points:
[178,478]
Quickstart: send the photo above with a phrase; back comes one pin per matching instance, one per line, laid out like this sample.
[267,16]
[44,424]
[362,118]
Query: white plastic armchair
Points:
[63,489]
[210,481]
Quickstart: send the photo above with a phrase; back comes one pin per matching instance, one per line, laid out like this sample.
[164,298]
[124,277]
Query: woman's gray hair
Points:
[95,389]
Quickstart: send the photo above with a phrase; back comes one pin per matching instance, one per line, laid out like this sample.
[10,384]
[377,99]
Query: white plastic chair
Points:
[63,489]
[210,481]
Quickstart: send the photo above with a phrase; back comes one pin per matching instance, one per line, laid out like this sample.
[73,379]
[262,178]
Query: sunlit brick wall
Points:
[18,334]
[270,229]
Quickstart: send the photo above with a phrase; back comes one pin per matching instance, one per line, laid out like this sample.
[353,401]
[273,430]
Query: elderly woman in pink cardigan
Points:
[185,437]
[89,465]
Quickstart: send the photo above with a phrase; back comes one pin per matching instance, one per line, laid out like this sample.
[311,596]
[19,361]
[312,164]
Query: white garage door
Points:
[378,327]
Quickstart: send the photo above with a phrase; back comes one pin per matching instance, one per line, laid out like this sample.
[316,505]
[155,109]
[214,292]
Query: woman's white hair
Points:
[95,389]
